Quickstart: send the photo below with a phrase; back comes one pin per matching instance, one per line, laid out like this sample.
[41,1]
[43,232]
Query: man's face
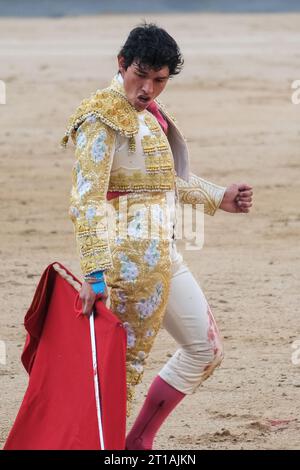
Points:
[142,84]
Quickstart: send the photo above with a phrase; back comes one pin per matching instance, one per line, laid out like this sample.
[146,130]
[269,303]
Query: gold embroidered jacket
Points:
[121,149]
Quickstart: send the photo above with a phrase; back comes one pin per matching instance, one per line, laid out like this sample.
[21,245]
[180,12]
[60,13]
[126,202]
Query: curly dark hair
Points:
[151,46]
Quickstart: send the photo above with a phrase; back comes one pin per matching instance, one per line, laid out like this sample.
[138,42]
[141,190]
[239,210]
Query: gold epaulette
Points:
[111,108]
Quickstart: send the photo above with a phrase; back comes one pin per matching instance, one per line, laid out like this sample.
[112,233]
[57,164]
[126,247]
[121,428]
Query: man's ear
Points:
[121,62]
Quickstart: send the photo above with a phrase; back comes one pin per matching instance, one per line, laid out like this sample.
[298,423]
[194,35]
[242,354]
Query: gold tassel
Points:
[132,145]
[64,141]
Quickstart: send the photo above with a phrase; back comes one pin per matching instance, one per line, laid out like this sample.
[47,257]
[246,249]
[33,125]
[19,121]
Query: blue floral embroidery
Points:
[138,363]
[146,307]
[149,333]
[80,139]
[90,213]
[99,147]
[135,226]
[118,241]
[74,212]
[121,308]
[129,269]
[83,184]
[131,338]
[152,254]
[92,118]
[122,296]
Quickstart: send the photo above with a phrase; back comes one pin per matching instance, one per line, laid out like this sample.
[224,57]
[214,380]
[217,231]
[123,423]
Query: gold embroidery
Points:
[158,164]
[111,108]
[200,191]
[94,152]
[139,283]
[132,144]
[139,181]
[149,144]
[158,157]
[152,124]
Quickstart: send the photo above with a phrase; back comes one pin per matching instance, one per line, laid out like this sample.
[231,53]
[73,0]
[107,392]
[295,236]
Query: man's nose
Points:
[148,87]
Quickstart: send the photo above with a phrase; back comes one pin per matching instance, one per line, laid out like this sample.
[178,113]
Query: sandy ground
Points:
[233,102]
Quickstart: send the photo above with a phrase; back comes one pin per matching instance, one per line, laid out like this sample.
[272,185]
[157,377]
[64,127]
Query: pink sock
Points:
[161,399]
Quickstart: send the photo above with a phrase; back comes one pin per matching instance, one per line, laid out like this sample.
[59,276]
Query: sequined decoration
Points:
[140,280]
[200,191]
[94,153]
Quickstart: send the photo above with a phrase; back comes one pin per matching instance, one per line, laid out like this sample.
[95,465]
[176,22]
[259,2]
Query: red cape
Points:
[59,407]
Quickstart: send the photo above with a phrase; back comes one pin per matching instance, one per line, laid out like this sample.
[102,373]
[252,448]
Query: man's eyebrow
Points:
[144,71]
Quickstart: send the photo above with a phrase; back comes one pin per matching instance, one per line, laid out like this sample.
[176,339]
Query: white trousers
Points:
[189,320]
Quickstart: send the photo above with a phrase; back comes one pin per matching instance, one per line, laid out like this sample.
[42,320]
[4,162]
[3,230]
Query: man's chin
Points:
[140,105]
